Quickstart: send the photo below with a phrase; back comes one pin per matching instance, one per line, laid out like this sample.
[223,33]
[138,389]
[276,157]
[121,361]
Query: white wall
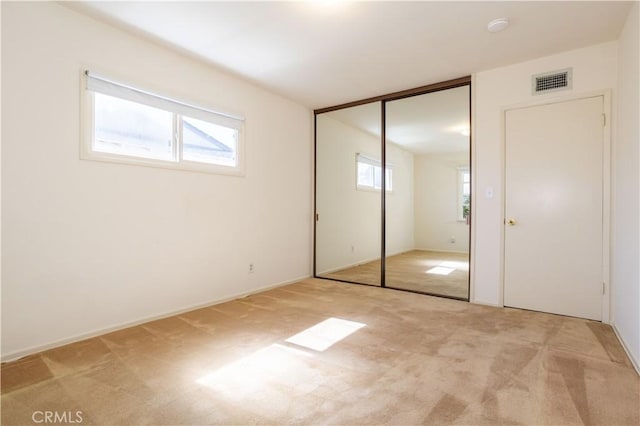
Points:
[348,232]
[594,68]
[625,264]
[88,246]
[436,202]
[400,202]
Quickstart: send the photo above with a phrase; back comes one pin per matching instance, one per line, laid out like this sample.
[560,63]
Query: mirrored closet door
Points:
[393,191]
[348,201]
[427,205]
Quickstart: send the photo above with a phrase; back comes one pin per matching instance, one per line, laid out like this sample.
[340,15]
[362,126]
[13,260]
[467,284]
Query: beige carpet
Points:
[414,270]
[414,360]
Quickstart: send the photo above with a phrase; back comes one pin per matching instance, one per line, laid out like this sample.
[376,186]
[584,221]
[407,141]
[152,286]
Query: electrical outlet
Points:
[251,268]
[452,240]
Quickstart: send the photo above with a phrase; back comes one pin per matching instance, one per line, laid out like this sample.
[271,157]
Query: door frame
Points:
[607,298]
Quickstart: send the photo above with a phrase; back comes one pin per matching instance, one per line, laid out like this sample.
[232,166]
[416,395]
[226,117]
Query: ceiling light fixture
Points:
[498,25]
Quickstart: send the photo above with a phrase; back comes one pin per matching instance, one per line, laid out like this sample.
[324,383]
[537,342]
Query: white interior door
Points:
[553,208]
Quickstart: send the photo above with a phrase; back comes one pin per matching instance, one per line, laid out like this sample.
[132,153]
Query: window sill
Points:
[188,166]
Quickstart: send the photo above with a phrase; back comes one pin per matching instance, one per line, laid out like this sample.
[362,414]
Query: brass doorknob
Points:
[511,222]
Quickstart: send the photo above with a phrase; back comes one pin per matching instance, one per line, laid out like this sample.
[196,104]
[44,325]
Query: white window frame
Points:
[367,159]
[92,83]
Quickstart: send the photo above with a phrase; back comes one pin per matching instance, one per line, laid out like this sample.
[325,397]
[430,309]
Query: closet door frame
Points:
[383,99]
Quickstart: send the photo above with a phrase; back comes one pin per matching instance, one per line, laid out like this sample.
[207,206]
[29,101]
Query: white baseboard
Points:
[39,348]
[634,362]
[480,302]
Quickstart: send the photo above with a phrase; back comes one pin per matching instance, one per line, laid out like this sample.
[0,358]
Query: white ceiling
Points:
[323,53]
[424,124]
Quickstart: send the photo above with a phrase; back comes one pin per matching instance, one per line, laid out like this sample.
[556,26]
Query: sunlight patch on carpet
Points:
[253,372]
[325,334]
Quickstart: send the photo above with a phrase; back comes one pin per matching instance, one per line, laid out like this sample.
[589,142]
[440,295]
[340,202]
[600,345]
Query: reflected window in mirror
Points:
[369,174]
[427,137]
[464,193]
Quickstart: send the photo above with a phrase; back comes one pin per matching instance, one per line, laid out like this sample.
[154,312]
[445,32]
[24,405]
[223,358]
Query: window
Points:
[369,174]
[464,193]
[133,126]
[127,128]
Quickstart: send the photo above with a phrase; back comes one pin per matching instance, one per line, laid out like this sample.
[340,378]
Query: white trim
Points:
[474,196]
[492,305]
[13,356]
[606,193]
[607,298]
[555,100]
[634,362]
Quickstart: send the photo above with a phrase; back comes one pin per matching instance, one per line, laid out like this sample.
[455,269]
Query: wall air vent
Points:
[551,81]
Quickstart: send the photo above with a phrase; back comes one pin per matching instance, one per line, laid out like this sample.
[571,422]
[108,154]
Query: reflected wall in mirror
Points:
[428,210]
[348,201]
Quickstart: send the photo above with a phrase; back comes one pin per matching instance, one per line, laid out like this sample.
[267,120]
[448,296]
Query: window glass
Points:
[209,143]
[377,177]
[464,194]
[389,179]
[128,128]
[133,126]
[365,174]
[370,174]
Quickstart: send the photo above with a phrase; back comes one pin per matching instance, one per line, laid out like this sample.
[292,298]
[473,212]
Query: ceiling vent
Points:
[551,81]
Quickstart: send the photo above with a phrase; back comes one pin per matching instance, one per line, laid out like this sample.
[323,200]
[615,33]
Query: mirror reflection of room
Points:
[427,226]
[348,201]
[427,193]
